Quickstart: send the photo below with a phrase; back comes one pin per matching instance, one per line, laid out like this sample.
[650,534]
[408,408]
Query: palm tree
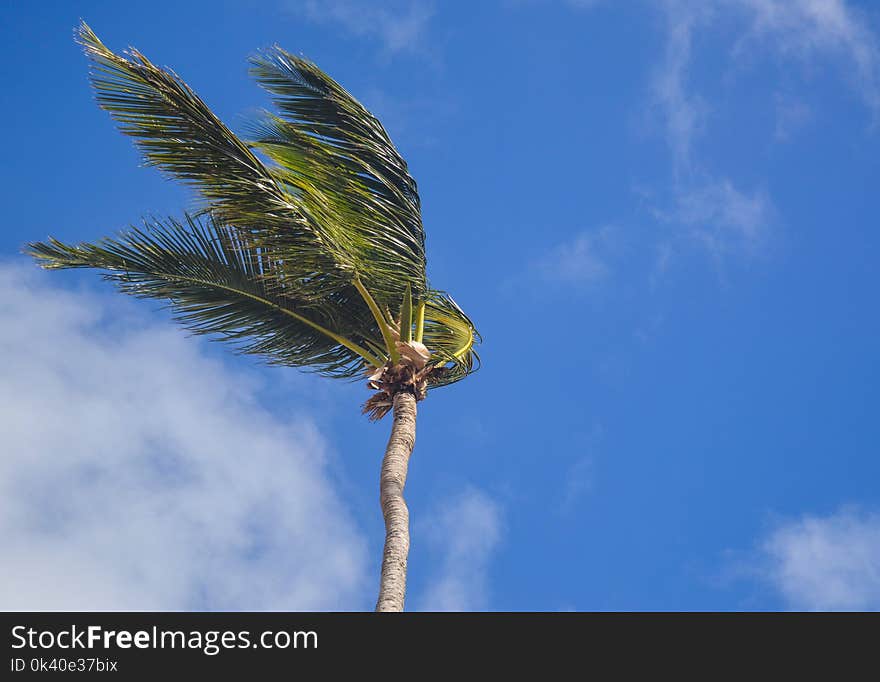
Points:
[307,247]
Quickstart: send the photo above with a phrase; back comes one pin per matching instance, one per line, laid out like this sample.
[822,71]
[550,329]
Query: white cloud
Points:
[713,208]
[722,217]
[464,533]
[400,25]
[800,29]
[703,202]
[583,260]
[138,473]
[682,111]
[826,563]
[817,28]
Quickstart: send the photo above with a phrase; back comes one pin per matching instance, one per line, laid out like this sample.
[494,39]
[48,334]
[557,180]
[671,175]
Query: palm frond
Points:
[337,159]
[178,132]
[215,287]
[451,337]
[299,254]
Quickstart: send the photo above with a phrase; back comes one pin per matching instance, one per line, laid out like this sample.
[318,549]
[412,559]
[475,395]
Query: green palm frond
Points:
[298,255]
[215,288]
[178,133]
[451,337]
[336,157]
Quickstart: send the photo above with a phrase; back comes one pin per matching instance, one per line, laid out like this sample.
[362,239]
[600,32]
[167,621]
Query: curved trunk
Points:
[392,587]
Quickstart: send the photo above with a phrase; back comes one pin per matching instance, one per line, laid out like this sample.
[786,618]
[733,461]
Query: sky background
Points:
[662,217]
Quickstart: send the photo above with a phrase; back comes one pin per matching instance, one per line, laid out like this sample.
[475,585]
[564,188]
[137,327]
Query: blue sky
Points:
[661,216]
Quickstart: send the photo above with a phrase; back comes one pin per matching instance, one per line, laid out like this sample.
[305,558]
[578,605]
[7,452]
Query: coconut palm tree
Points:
[307,248]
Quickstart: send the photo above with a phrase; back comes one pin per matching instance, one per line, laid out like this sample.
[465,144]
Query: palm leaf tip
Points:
[179,134]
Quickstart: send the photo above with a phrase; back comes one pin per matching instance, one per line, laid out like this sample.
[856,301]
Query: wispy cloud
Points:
[682,111]
[138,473]
[722,217]
[399,25]
[792,116]
[825,562]
[574,4]
[703,202]
[583,260]
[579,481]
[463,534]
[810,29]
[800,29]
[711,208]
[711,205]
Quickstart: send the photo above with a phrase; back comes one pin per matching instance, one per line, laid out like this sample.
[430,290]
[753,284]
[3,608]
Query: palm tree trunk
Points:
[392,587]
